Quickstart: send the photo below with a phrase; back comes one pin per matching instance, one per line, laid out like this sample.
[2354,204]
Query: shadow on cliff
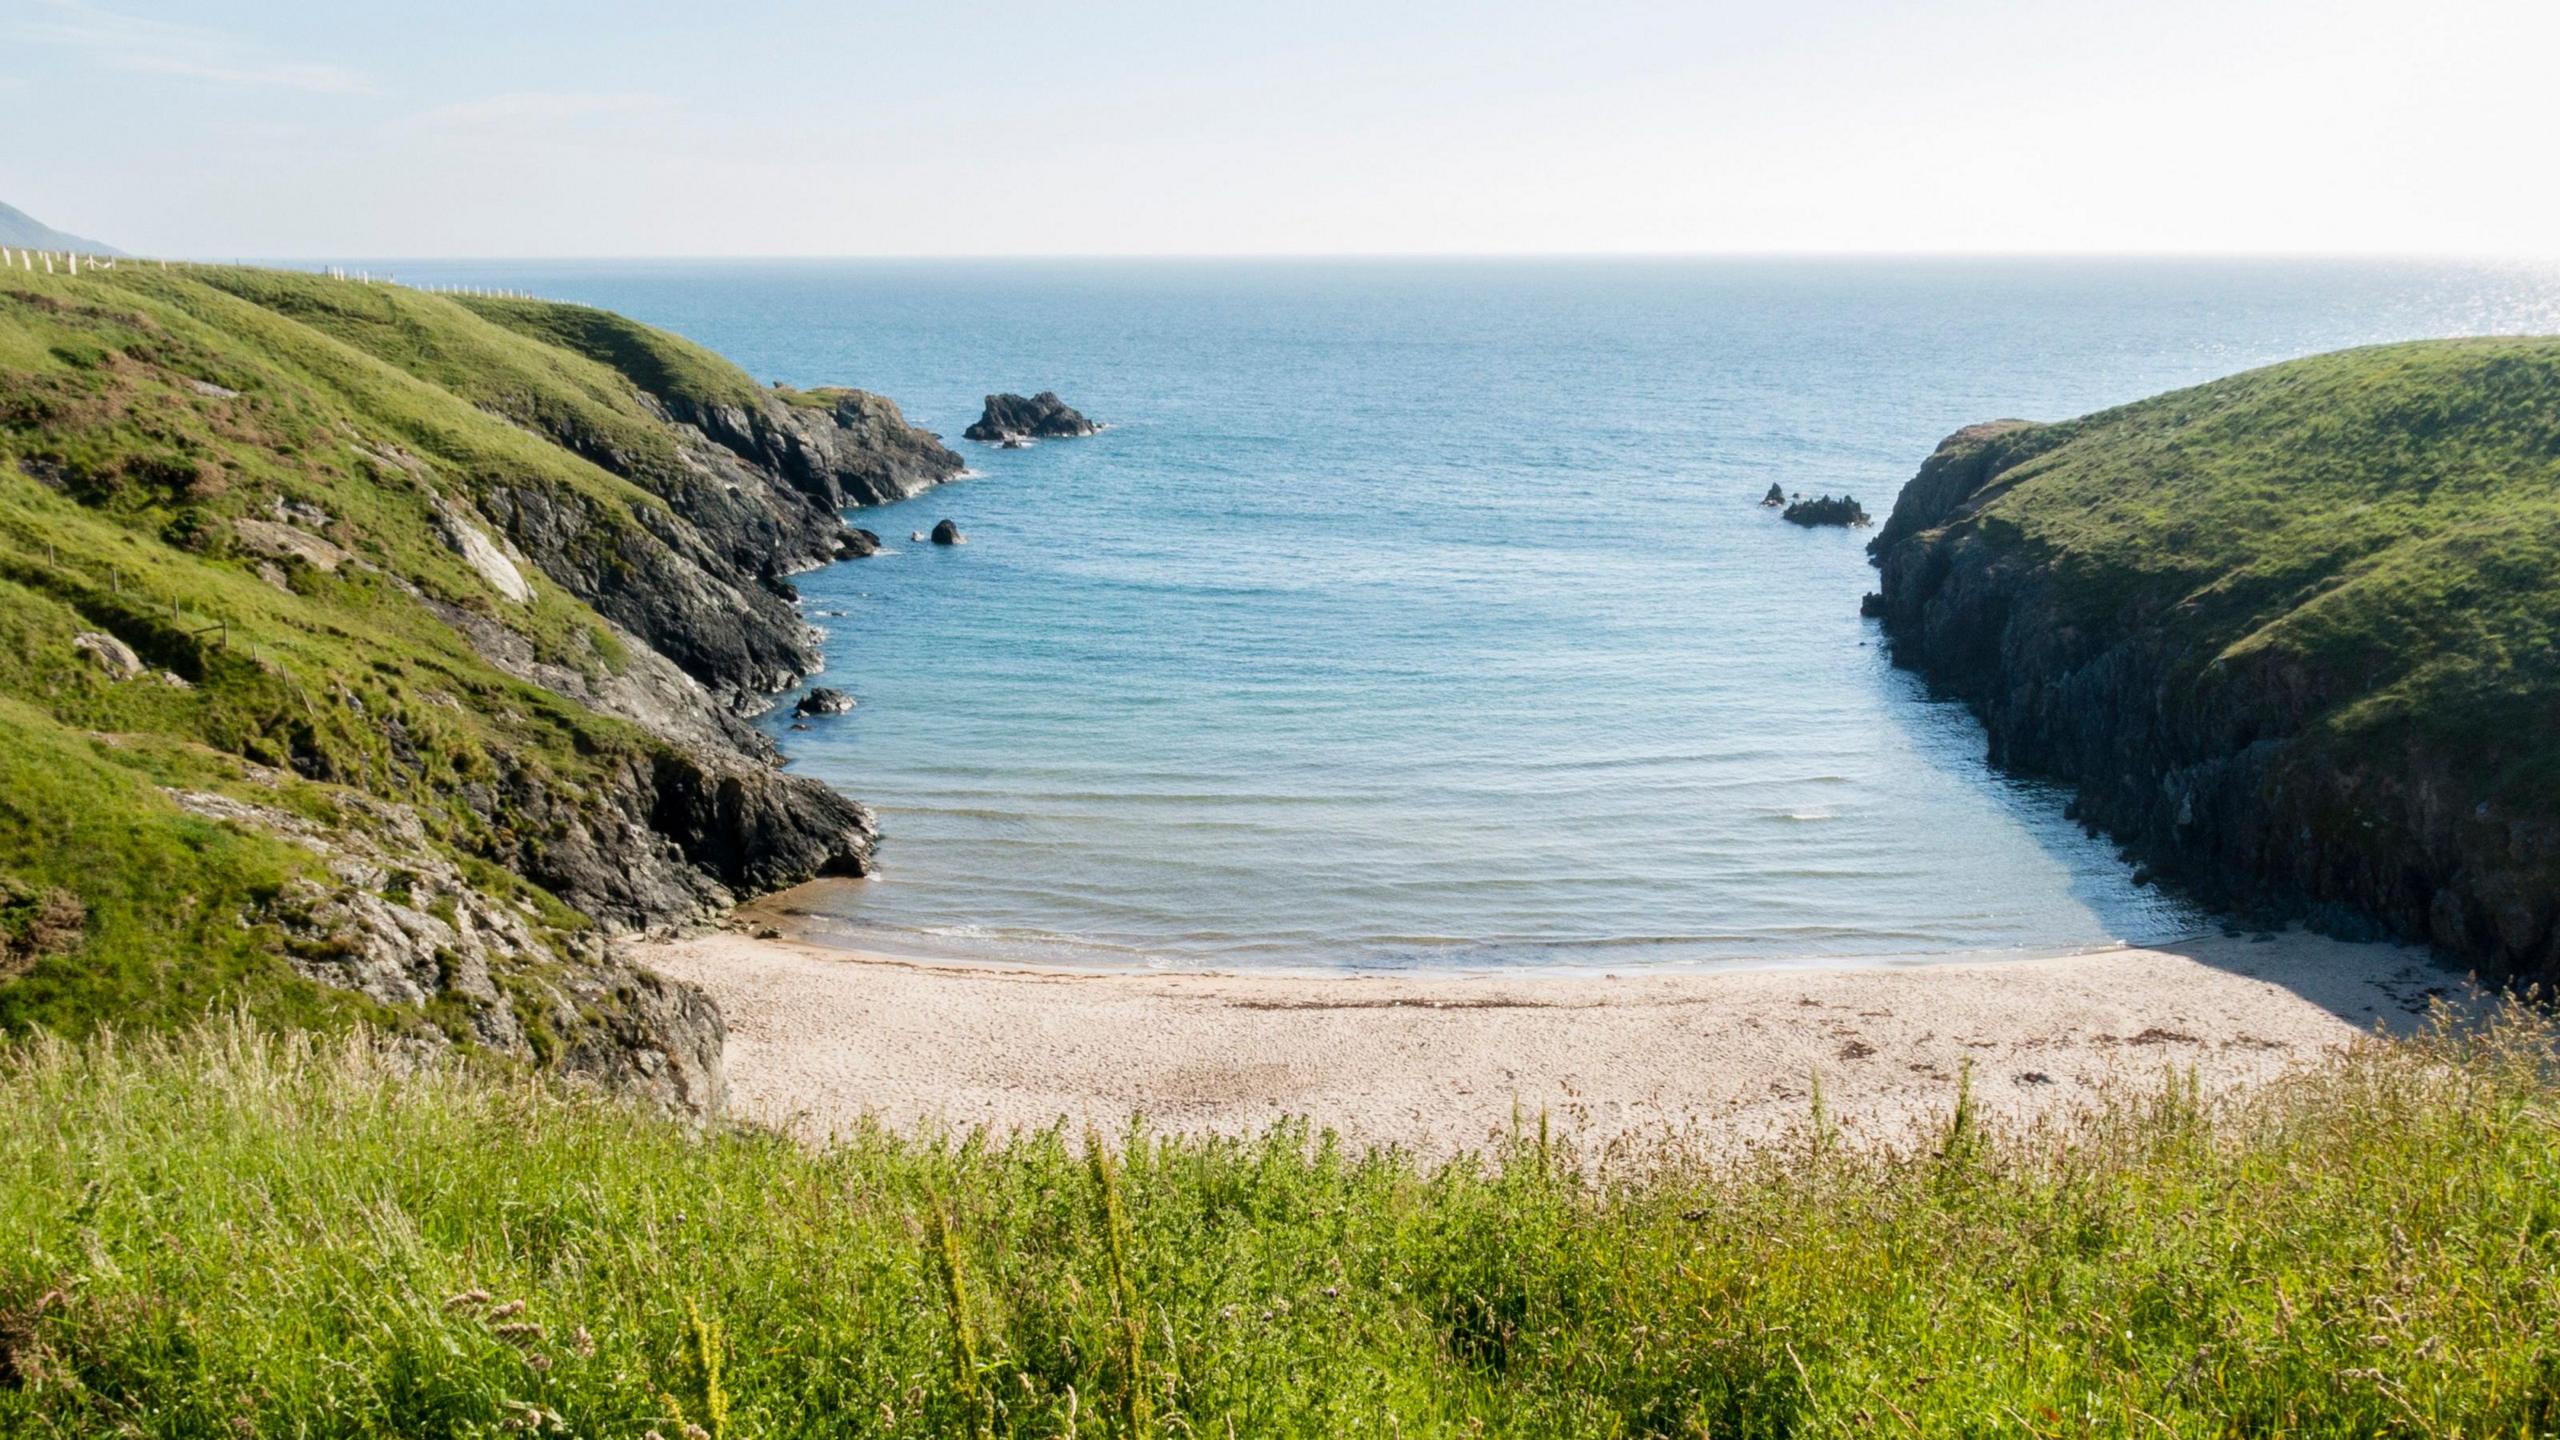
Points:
[2366,983]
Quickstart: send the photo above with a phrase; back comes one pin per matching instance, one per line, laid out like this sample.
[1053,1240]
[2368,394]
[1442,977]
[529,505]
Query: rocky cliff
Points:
[382,655]
[2294,635]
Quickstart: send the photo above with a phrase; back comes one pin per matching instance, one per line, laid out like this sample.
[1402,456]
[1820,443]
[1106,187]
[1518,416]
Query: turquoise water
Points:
[1423,614]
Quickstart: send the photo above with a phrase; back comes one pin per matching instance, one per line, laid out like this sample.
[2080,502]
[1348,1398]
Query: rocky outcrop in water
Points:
[1825,510]
[1011,418]
[824,700]
[946,533]
[1776,497]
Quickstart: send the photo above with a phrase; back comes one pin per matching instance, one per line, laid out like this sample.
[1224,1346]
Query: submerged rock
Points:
[823,700]
[946,533]
[1010,419]
[1827,510]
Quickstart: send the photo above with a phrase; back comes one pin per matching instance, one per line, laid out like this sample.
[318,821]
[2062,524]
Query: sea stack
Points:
[1825,510]
[946,533]
[1013,420]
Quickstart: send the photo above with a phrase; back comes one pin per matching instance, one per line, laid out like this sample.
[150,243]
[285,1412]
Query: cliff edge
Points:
[2295,635]
[382,655]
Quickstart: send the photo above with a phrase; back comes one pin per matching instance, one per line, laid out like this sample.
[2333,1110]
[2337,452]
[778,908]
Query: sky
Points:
[295,129]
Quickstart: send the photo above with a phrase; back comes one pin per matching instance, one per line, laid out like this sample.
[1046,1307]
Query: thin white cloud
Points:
[162,47]
[534,107]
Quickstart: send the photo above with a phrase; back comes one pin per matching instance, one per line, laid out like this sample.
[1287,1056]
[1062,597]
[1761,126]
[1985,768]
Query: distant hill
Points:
[17,227]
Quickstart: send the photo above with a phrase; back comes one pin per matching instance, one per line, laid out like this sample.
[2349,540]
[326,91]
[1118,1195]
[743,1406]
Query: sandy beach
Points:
[821,1037]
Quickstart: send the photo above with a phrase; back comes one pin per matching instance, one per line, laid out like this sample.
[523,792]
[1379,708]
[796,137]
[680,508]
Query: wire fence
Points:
[132,587]
[32,261]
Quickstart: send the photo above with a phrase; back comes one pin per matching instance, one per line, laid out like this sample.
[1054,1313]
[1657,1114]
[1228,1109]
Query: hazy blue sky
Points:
[290,128]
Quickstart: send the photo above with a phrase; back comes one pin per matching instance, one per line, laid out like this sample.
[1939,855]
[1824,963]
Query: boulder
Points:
[1826,510]
[1009,420]
[113,655]
[823,700]
[1776,497]
[279,541]
[946,533]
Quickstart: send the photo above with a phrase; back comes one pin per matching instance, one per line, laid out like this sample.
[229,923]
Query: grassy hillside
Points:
[230,1234]
[2392,514]
[2351,557]
[358,538]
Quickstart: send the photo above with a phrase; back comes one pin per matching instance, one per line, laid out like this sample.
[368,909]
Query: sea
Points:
[1423,614]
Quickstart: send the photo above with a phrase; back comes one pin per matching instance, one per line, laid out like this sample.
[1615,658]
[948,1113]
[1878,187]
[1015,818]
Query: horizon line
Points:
[1158,257]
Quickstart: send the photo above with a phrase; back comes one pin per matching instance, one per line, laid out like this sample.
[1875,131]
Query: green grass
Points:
[122,475]
[227,1233]
[2373,526]
[665,365]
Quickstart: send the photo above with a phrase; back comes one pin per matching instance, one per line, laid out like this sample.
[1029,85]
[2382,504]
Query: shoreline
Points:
[824,1040]
[779,917]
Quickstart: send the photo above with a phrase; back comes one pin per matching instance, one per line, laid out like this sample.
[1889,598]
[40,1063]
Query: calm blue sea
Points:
[1420,614]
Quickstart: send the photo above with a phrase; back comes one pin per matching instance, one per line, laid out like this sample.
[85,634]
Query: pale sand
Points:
[820,1037]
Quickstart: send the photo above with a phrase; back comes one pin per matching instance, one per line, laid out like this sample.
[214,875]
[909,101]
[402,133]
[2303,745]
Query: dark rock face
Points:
[858,450]
[1012,418]
[946,533]
[2203,765]
[1826,511]
[393,919]
[824,700]
[698,598]
[757,496]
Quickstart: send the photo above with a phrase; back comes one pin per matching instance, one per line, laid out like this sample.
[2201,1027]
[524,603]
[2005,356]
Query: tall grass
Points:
[230,1233]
